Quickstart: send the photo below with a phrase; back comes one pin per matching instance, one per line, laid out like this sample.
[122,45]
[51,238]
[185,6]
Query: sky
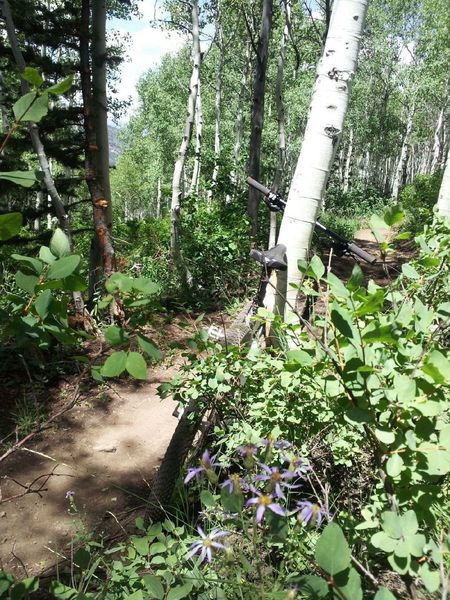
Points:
[148,45]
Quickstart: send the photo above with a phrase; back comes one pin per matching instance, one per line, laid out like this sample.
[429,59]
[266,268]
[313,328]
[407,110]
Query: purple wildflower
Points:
[69,494]
[310,513]
[206,544]
[297,465]
[276,479]
[206,466]
[282,445]
[247,451]
[234,484]
[264,501]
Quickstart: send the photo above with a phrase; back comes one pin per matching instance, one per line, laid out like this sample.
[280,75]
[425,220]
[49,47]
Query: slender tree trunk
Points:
[198,143]
[217,105]
[257,123]
[279,101]
[437,142]
[400,171]
[239,128]
[325,123]
[3,108]
[187,134]
[101,208]
[158,200]
[100,100]
[348,161]
[443,203]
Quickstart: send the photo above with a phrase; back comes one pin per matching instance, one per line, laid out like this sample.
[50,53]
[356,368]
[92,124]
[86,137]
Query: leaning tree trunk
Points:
[101,205]
[257,122]
[400,171]
[327,111]
[58,205]
[187,134]
[443,203]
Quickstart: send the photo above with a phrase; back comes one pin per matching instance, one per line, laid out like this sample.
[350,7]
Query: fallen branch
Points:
[29,488]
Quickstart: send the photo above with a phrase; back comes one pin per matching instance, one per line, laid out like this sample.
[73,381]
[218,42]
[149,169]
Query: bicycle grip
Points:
[258,186]
[370,258]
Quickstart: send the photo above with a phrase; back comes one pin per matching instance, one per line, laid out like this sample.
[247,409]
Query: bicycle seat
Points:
[272,259]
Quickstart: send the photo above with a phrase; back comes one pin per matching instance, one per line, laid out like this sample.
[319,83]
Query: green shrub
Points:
[360,200]
[418,200]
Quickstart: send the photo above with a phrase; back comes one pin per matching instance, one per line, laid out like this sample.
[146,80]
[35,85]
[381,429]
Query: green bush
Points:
[360,200]
[418,200]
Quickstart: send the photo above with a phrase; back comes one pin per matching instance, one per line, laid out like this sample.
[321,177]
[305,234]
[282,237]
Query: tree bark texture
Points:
[400,172]
[198,143]
[279,101]
[443,203]
[217,104]
[239,127]
[100,100]
[187,134]
[257,122]
[99,201]
[335,73]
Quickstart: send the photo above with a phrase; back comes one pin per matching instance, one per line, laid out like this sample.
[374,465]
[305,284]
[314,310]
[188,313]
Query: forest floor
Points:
[104,449]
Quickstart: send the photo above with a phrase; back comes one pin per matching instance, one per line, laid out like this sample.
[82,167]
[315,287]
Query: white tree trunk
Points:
[443,203]
[348,162]
[239,128]
[217,105]
[198,143]
[187,134]
[399,178]
[437,154]
[329,103]
[158,200]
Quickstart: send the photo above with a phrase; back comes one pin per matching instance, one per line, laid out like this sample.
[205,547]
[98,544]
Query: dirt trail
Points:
[104,451]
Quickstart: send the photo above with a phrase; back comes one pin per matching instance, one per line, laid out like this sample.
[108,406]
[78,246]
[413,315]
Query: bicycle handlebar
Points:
[276,203]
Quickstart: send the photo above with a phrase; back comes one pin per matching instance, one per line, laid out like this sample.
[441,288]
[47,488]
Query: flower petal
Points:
[277,509]
[260,513]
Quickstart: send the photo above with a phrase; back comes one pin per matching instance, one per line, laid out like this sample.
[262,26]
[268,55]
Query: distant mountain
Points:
[115,147]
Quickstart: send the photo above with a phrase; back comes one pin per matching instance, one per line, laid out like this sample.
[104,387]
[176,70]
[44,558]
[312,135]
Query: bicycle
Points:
[242,332]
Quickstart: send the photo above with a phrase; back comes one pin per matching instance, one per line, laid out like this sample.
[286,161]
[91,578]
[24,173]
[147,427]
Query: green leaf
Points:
[141,544]
[299,357]
[31,107]
[26,282]
[82,558]
[158,548]
[394,465]
[332,551]
[149,347]
[312,586]
[63,267]
[10,225]
[46,256]
[382,541]
[6,581]
[25,587]
[114,364]
[119,282]
[378,226]
[33,263]
[391,523]
[233,503]
[337,287]
[349,583]
[317,266]
[154,586]
[59,244]
[384,594]
[207,498]
[136,365]
[357,278]
[180,591]
[342,321]
[138,595]
[32,76]
[146,286]
[437,366]
[409,271]
[24,178]
[116,335]
[430,579]
[42,303]
[385,436]
[409,523]
[61,87]
[394,214]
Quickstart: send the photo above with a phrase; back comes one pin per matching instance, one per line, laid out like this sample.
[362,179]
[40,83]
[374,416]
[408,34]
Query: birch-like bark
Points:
[257,122]
[328,107]
[400,172]
[239,128]
[3,109]
[158,199]
[443,203]
[177,178]
[437,153]
[217,104]
[198,143]
[348,162]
